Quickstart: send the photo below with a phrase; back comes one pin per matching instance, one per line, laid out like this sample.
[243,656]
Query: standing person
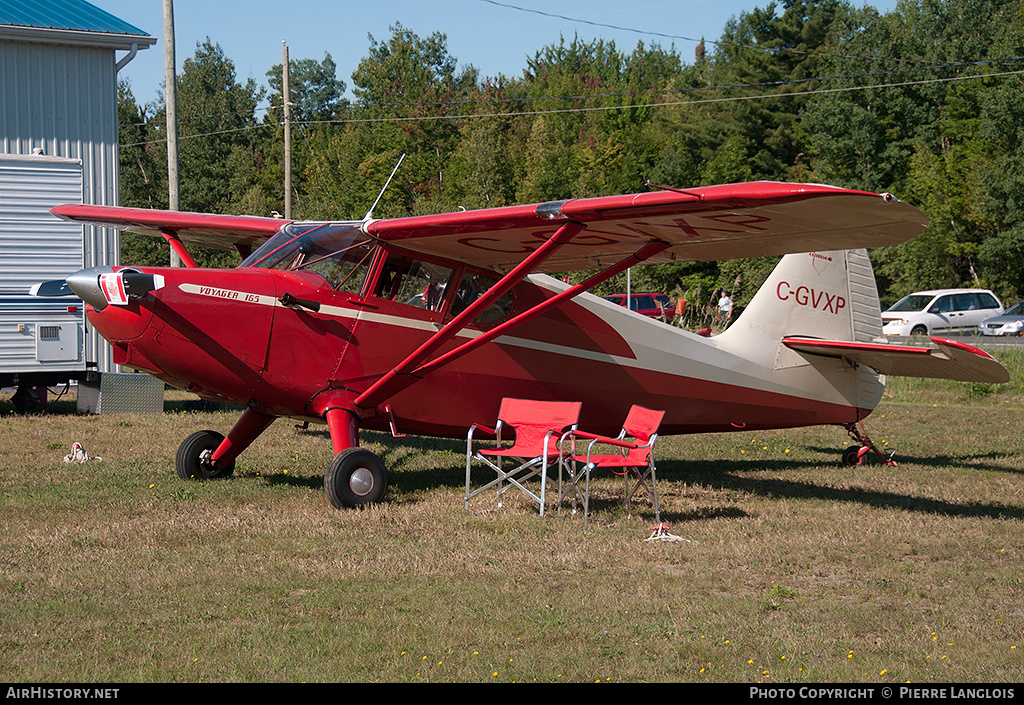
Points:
[725,307]
[680,311]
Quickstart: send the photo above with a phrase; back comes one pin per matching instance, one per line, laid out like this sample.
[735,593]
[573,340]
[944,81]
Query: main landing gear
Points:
[353,478]
[855,454]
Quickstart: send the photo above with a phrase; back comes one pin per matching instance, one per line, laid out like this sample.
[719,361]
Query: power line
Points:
[632,94]
[555,111]
[664,35]
[664,105]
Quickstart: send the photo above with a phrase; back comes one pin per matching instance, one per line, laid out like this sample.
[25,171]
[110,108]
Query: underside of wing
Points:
[732,221]
[222,232]
[949,359]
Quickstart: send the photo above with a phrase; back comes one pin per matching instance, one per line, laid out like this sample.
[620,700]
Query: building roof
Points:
[67,21]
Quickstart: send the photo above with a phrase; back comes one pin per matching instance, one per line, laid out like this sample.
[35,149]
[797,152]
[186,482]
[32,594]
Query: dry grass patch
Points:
[789,567]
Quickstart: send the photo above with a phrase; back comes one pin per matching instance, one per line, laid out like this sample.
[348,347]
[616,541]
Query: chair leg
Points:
[569,477]
[652,490]
[586,500]
[654,494]
[500,479]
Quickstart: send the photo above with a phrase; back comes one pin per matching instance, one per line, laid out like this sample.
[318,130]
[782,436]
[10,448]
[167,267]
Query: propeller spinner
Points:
[101,286]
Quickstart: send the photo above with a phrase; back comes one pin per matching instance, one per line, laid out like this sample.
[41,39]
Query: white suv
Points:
[939,311]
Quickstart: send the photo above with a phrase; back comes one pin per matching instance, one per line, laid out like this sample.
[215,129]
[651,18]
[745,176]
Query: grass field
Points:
[787,567]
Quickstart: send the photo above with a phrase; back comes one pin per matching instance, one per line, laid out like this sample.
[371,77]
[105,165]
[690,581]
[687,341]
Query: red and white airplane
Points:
[421,325]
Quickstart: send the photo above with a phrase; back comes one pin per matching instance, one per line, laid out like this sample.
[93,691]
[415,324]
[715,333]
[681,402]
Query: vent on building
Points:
[58,342]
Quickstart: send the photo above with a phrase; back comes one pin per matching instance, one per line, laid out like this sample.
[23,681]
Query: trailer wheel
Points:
[27,399]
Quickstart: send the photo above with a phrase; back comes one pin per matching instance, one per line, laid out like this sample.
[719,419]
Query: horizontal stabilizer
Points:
[948,360]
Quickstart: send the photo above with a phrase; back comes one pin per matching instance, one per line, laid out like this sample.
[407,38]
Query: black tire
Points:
[190,463]
[355,477]
[851,456]
[919,330]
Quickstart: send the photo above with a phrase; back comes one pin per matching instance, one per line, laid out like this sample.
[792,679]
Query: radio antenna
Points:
[369,213]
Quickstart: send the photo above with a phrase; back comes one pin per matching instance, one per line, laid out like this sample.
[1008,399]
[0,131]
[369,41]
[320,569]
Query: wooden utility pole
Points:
[286,95]
[171,108]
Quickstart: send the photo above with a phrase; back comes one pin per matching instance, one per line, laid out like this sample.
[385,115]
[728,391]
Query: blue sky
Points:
[492,35]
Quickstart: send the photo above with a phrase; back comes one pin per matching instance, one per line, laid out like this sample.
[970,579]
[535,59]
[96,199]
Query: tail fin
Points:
[821,305]
[829,295]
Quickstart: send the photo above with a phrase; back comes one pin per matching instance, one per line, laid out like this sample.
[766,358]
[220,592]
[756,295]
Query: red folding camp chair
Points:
[538,426]
[634,458]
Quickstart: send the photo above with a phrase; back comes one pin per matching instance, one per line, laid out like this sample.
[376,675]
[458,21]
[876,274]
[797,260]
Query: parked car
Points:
[655,305]
[1010,323]
[940,311]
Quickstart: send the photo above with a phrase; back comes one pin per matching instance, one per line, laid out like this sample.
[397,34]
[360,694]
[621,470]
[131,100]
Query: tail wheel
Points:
[852,455]
[355,477]
[193,459]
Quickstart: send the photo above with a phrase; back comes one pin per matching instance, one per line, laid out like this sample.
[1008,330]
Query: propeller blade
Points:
[137,284]
[52,288]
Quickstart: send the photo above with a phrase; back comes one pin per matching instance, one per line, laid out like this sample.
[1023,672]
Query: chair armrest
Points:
[485,429]
[605,440]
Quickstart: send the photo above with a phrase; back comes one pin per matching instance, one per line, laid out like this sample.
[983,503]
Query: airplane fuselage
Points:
[225,335]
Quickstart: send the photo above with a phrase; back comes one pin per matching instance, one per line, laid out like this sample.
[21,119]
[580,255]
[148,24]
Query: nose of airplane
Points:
[86,285]
[101,286]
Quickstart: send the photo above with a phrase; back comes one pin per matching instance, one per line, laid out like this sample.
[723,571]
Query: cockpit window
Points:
[471,288]
[339,252]
[412,282]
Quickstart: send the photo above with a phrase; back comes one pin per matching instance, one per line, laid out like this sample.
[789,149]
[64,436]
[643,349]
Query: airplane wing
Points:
[731,221]
[949,360]
[221,232]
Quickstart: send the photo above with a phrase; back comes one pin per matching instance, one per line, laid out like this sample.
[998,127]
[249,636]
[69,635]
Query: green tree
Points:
[776,57]
[217,142]
[316,91]
[143,176]
[220,153]
[950,146]
[409,89]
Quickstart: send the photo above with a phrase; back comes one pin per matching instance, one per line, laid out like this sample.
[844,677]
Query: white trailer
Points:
[42,341]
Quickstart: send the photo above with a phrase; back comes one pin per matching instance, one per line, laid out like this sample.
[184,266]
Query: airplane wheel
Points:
[192,460]
[851,455]
[355,477]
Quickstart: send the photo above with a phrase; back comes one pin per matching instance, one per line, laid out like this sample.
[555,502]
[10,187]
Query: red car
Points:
[655,305]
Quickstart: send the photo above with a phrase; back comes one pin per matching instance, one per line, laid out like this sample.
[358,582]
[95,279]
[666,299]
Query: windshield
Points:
[1016,310]
[339,252]
[914,302]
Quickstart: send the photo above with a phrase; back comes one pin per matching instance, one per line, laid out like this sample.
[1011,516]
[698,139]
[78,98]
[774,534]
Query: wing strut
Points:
[400,376]
[646,252]
[367,400]
[179,247]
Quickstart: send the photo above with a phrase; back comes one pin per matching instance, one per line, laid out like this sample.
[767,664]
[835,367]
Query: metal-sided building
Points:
[58,140]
